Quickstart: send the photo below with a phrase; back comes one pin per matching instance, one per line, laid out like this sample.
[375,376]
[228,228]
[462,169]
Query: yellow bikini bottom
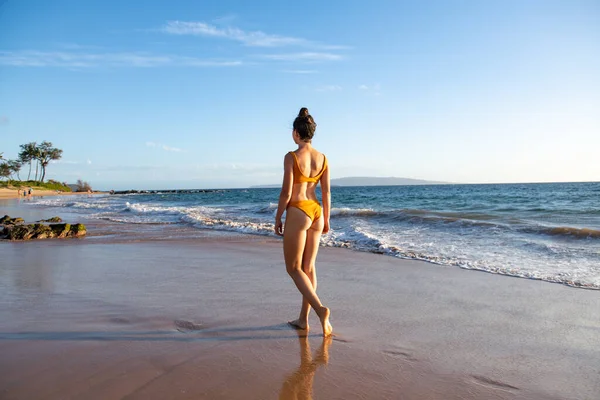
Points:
[312,208]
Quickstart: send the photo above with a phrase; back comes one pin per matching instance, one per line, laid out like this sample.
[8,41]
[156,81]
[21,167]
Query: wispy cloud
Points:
[248,38]
[328,88]
[165,147]
[373,89]
[305,57]
[29,58]
[256,38]
[175,149]
[88,162]
[64,162]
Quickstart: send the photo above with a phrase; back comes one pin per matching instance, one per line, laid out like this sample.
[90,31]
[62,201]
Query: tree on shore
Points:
[82,186]
[40,154]
[8,168]
[4,170]
[46,154]
[15,167]
[30,152]
[27,155]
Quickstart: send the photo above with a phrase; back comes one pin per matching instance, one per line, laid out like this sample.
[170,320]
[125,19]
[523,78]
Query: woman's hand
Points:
[278,227]
[326,226]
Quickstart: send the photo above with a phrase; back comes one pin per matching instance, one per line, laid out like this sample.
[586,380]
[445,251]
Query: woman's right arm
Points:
[326,197]
[286,192]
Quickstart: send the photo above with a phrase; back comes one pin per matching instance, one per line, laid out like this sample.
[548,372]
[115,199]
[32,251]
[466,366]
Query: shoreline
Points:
[129,232]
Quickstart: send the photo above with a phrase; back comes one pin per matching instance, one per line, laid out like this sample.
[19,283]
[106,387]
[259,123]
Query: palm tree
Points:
[46,154]
[27,155]
[36,153]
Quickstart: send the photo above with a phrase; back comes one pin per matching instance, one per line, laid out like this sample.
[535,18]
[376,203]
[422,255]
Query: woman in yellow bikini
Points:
[304,169]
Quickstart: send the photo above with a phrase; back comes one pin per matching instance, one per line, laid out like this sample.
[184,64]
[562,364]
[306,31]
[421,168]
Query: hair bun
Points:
[303,112]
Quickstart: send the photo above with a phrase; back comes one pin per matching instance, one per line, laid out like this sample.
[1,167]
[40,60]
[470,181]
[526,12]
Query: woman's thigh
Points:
[311,247]
[297,223]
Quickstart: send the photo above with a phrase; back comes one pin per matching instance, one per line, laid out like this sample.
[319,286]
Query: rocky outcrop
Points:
[12,230]
[6,220]
[53,219]
[77,230]
[60,230]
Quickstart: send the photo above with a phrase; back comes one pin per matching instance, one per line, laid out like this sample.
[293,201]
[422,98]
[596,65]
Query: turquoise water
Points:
[548,231]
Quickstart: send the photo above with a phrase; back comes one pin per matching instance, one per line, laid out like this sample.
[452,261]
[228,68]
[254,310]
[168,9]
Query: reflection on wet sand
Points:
[299,384]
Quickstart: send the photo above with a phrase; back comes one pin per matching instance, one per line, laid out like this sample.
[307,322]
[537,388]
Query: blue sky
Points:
[202,94]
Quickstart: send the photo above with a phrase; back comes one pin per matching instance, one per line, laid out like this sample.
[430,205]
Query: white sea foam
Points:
[72,204]
[243,226]
[513,246]
[346,211]
[271,208]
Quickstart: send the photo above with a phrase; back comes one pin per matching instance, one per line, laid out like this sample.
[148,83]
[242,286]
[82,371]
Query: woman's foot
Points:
[299,324]
[324,317]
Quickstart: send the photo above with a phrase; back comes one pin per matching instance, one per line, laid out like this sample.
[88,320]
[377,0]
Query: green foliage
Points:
[41,154]
[4,170]
[50,185]
[54,185]
[9,168]
[29,153]
[47,153]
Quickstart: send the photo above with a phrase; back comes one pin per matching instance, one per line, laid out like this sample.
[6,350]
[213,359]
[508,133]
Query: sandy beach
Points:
[6,193]
[107,318]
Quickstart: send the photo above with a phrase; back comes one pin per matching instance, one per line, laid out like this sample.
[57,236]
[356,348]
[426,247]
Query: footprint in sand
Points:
[187,326]
[483,380]
[338,338]
[401,353]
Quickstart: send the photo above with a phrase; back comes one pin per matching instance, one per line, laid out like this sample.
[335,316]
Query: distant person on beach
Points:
[304,169]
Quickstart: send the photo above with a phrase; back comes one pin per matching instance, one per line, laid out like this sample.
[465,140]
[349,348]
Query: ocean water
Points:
[547,231]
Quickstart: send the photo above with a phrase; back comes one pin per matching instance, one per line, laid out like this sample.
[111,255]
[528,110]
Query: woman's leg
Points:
[297,225]
[309,256]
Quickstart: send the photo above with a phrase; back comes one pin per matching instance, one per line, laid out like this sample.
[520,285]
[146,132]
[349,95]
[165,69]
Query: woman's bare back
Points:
[310,164]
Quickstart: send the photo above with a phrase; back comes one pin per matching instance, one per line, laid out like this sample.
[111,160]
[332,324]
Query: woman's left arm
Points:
[286,192]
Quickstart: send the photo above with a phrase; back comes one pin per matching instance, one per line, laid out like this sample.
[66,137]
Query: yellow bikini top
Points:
[299,177]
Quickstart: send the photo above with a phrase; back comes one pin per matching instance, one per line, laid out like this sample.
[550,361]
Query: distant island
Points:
[371,181]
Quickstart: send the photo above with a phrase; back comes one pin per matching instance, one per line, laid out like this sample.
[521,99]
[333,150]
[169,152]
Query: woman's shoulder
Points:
[321,156]
[316,153]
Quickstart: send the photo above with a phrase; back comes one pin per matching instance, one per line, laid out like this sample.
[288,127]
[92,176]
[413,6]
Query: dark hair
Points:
[305,125]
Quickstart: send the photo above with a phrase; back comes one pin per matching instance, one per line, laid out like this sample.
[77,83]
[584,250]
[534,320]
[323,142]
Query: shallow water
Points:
[548,231]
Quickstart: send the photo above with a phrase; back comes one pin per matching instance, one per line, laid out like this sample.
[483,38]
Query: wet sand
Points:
[204,318]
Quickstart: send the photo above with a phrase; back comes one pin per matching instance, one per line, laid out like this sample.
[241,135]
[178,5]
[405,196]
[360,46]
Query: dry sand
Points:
[6,193]
[100,318]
